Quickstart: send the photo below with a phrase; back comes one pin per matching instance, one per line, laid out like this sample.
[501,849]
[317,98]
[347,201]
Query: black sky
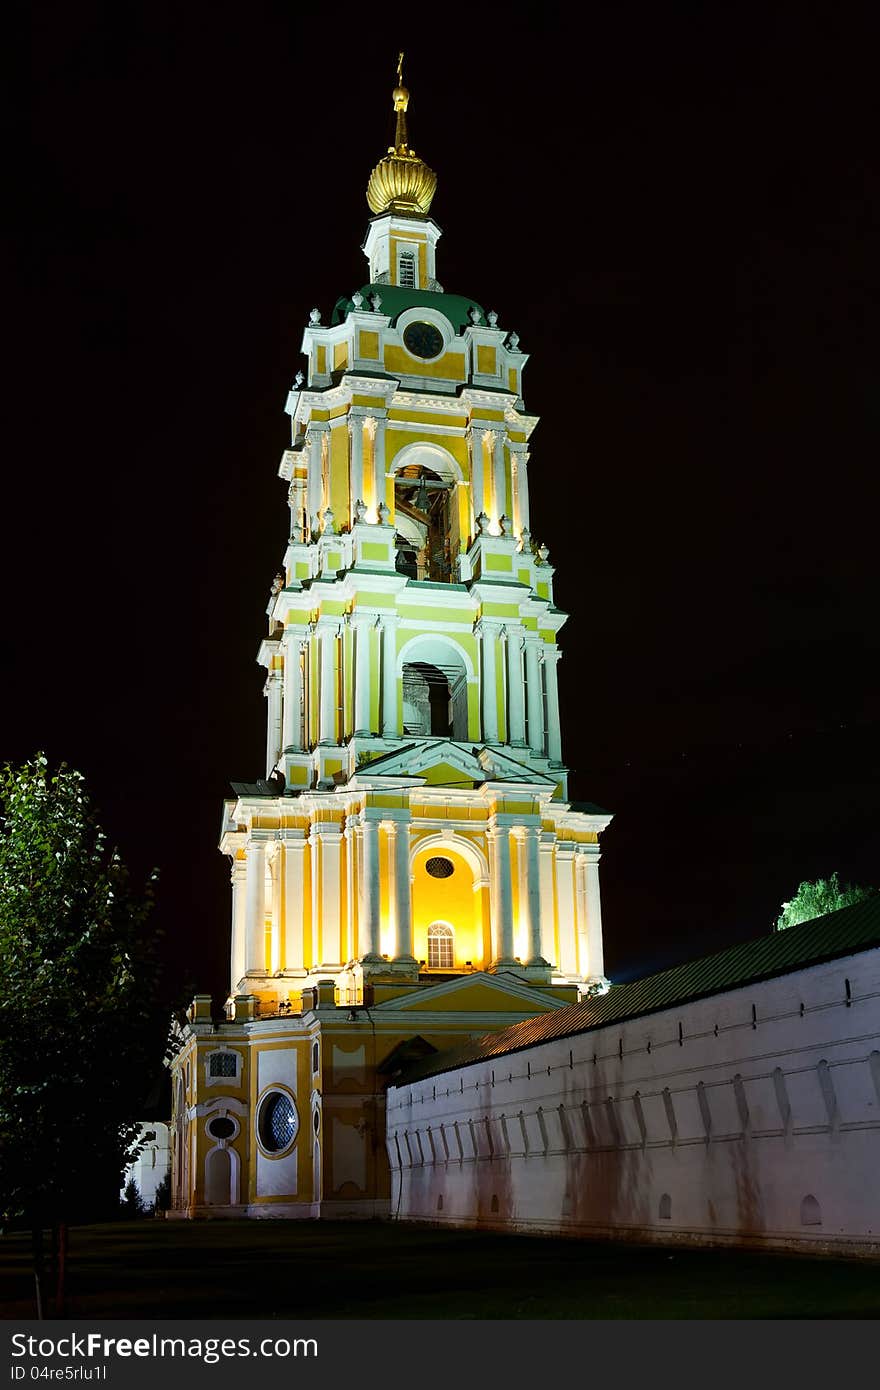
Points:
[677,208]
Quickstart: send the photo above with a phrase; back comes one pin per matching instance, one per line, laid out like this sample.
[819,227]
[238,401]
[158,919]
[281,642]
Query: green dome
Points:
[455,307]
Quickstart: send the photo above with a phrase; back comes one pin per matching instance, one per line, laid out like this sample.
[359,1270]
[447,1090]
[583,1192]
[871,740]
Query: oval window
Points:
[438,867]
[221,1128]
[277,1123]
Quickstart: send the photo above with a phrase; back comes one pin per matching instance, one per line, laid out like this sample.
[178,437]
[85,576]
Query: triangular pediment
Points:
[476,994]
[442,762]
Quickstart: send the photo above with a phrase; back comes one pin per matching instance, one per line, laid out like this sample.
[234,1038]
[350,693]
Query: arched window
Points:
[665,1207]
[406,269]
[440,954]
[811,1212]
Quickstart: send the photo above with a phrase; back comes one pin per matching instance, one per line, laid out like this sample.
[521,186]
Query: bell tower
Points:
[413,821]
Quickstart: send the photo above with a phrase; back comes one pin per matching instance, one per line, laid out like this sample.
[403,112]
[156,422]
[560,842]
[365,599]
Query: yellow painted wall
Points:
[449,900]
[339,488]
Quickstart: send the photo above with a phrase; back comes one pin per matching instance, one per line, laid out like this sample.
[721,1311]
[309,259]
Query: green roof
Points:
[840,933]
[455,307]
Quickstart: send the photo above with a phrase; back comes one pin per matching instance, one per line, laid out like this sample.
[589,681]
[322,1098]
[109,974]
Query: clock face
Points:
[423,340]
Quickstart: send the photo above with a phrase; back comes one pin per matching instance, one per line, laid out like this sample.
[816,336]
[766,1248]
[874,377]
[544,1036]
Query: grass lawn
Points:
[277,1269]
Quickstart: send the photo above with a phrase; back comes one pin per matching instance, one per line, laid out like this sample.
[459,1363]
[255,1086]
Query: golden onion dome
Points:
[401,182]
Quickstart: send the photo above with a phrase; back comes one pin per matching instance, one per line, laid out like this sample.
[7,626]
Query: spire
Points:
[401,182]
[400,97]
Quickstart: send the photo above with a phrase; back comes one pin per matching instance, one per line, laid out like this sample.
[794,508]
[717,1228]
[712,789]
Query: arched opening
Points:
[435,690]
[441,951]
[432,695]
[449,905]
[666,1207]
[218,1178]
[811,1212]
[423,499]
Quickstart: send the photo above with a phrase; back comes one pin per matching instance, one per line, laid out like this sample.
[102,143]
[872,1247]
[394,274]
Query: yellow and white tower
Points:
[411,851]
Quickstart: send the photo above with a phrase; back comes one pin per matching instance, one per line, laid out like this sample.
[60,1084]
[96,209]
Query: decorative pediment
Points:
[440,762]
[477,993]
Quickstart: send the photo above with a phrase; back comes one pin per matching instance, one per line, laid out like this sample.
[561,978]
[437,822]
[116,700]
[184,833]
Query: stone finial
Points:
[493,318]
[357,299]
[525,540]
[376,301]
[483,524]
[328,521]
[277,584]
[384,514]
[506,524]
[543,551]
[298,381]
[360,510]
[513,342]
[315,316]
[475,315]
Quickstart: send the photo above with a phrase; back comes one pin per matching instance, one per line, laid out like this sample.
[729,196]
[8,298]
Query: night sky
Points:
[676,206]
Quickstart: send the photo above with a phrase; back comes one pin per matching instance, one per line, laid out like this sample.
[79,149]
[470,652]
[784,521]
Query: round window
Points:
[277,1123]
[439,867]
[221,1128]
[316,1120]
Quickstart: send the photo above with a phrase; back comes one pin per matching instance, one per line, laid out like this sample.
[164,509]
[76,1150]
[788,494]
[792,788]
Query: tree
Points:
[132,1204]
[815,899]
[82,1023]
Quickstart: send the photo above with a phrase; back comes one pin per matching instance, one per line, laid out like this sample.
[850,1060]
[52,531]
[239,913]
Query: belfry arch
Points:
[435,673]
[450,878]
[425,511]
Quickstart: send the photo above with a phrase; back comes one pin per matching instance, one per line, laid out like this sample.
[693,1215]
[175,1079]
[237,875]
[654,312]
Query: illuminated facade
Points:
[410,870]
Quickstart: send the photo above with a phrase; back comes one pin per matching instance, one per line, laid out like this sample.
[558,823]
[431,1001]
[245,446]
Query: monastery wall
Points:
[748,1118]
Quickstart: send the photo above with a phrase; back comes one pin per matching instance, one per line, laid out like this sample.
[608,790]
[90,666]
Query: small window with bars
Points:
[406,269]
[440,937]
[222,1064]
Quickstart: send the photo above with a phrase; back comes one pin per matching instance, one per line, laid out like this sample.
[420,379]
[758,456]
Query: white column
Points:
[369,483]
[294,903]
[488,634]
[315,483]
[477,436]
[516,719]
[548,900]
[531,837]
[379,462]
[499,483]
[315,883]
[565,899]
[277,937]
[273,719]
[239,940]
[519,471]
[402,892]
[595,963]
[291,731]
[554,733]
[331,895]
[327,729]
[348,837]
[356,466]
[362,624]
[368,869]
[390,716]
[502,897]
[535,696]
[255,908]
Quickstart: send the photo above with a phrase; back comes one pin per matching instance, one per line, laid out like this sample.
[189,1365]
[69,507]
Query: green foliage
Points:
[81,1022]
[815,899]
[163,1193]
[132,1204]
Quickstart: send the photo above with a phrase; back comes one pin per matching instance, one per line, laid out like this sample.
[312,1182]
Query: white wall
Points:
[736,1125]
[153,1162]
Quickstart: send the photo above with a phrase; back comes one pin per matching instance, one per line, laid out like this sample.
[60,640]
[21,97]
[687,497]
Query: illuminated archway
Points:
[450,890]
